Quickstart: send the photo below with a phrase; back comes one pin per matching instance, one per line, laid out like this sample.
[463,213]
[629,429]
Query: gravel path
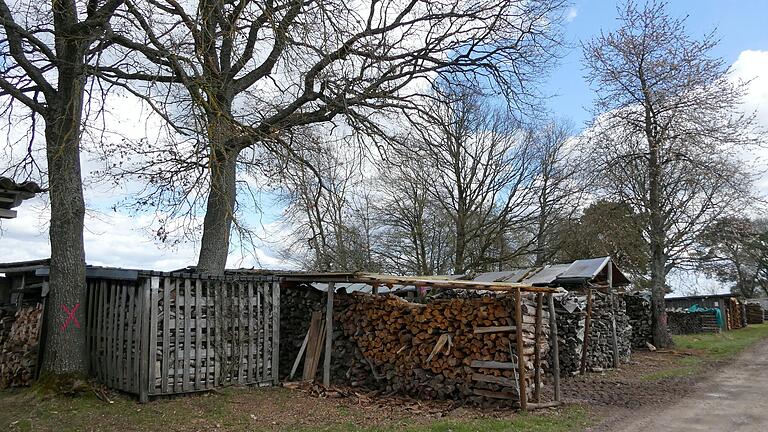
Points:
[735,399]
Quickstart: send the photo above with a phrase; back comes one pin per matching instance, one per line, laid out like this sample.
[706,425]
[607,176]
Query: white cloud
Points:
[751,67]
[571,14]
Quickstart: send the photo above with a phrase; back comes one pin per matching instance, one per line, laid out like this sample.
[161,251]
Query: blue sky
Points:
[741,25]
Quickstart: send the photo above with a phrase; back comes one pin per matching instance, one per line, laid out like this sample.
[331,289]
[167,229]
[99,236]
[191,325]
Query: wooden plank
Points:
[177,354]
[210,322]
[554,343]
[154,291]
[100,335]
[145,348]
[537,348]
[494,394]
[250,305]
[90,322]
[298,357]
[587,325]
[493,364]
[259,325]
[504,381]
[166,339]
[316,327]
[520,353]
[328,334]
[614,338]
[122,378]
[138,334]
[186,385]
[218,321]
[131,345]
[495,329]
[111,317]
[275,333]
[265,332]
[241,348]
[198,333]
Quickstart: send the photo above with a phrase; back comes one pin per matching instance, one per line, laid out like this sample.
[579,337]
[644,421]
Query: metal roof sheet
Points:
[546,275]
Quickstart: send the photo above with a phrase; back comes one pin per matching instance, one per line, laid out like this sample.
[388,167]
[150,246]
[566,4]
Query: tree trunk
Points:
[217,225]
[661,337]
[65,350]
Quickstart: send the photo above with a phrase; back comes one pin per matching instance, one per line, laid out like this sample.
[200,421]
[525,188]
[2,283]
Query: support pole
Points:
[375,289]
[520,355]
[537,349]
[587,325]
[554,344]
[328,335]
[615,338]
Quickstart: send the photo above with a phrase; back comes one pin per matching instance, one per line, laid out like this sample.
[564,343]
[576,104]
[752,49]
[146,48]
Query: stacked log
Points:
[571,316]
[638,310]
[296,307]
[681,321]
[18,351]
[439,350]
[736,319]
[755,313]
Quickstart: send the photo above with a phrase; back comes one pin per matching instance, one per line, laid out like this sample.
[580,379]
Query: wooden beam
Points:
[587,324]
[493,364]
[537,349]
[496,329]
[298,357]
[520,355]
[7,214]
[328,335]
[554,344]
[615,338]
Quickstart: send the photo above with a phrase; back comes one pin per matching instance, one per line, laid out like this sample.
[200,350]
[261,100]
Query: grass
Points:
[708,348]
[243,409]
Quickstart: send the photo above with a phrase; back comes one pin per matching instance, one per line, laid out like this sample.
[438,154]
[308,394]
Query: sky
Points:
[117,238]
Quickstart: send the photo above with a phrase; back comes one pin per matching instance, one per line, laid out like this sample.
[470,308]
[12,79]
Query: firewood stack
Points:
[571,311]
[601,335]
[296,306]
[438,350]
[681,321]
[735,314]
[18,351]
[755,313]
[638,311]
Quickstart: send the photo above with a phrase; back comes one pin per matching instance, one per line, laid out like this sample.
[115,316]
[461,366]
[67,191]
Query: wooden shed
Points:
[157,333]
[732,307]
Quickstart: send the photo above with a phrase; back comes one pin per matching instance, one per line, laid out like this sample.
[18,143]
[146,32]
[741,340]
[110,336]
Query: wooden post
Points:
[145,346]
[520,356]
[554,344]
[587,324]
[328,335]
[375,289]
[276,333]
[615,338]
[537,349]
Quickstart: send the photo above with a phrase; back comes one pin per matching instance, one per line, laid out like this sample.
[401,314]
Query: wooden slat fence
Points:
[177,333]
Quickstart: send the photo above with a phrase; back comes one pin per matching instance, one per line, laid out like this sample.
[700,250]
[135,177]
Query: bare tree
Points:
[46,49]
[483,172]
[253,70]
[561,183]
[416,237]
[667,134]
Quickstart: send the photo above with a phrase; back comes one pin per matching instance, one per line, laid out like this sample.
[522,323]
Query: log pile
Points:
[571,316]
[296,307]
[638,310]
[736,318]
[755,313]
[446,349]
[681,321]
[19,347]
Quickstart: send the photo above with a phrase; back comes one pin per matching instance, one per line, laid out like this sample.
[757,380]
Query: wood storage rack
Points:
[155,333]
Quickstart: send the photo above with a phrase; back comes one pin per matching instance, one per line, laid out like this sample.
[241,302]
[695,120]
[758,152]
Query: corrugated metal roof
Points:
[585,268]
[494,276]
[546,275]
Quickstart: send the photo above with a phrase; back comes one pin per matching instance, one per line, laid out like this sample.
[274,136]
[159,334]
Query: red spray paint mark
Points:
[71,318]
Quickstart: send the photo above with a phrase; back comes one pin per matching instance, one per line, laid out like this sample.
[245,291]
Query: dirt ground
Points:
[734,399]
